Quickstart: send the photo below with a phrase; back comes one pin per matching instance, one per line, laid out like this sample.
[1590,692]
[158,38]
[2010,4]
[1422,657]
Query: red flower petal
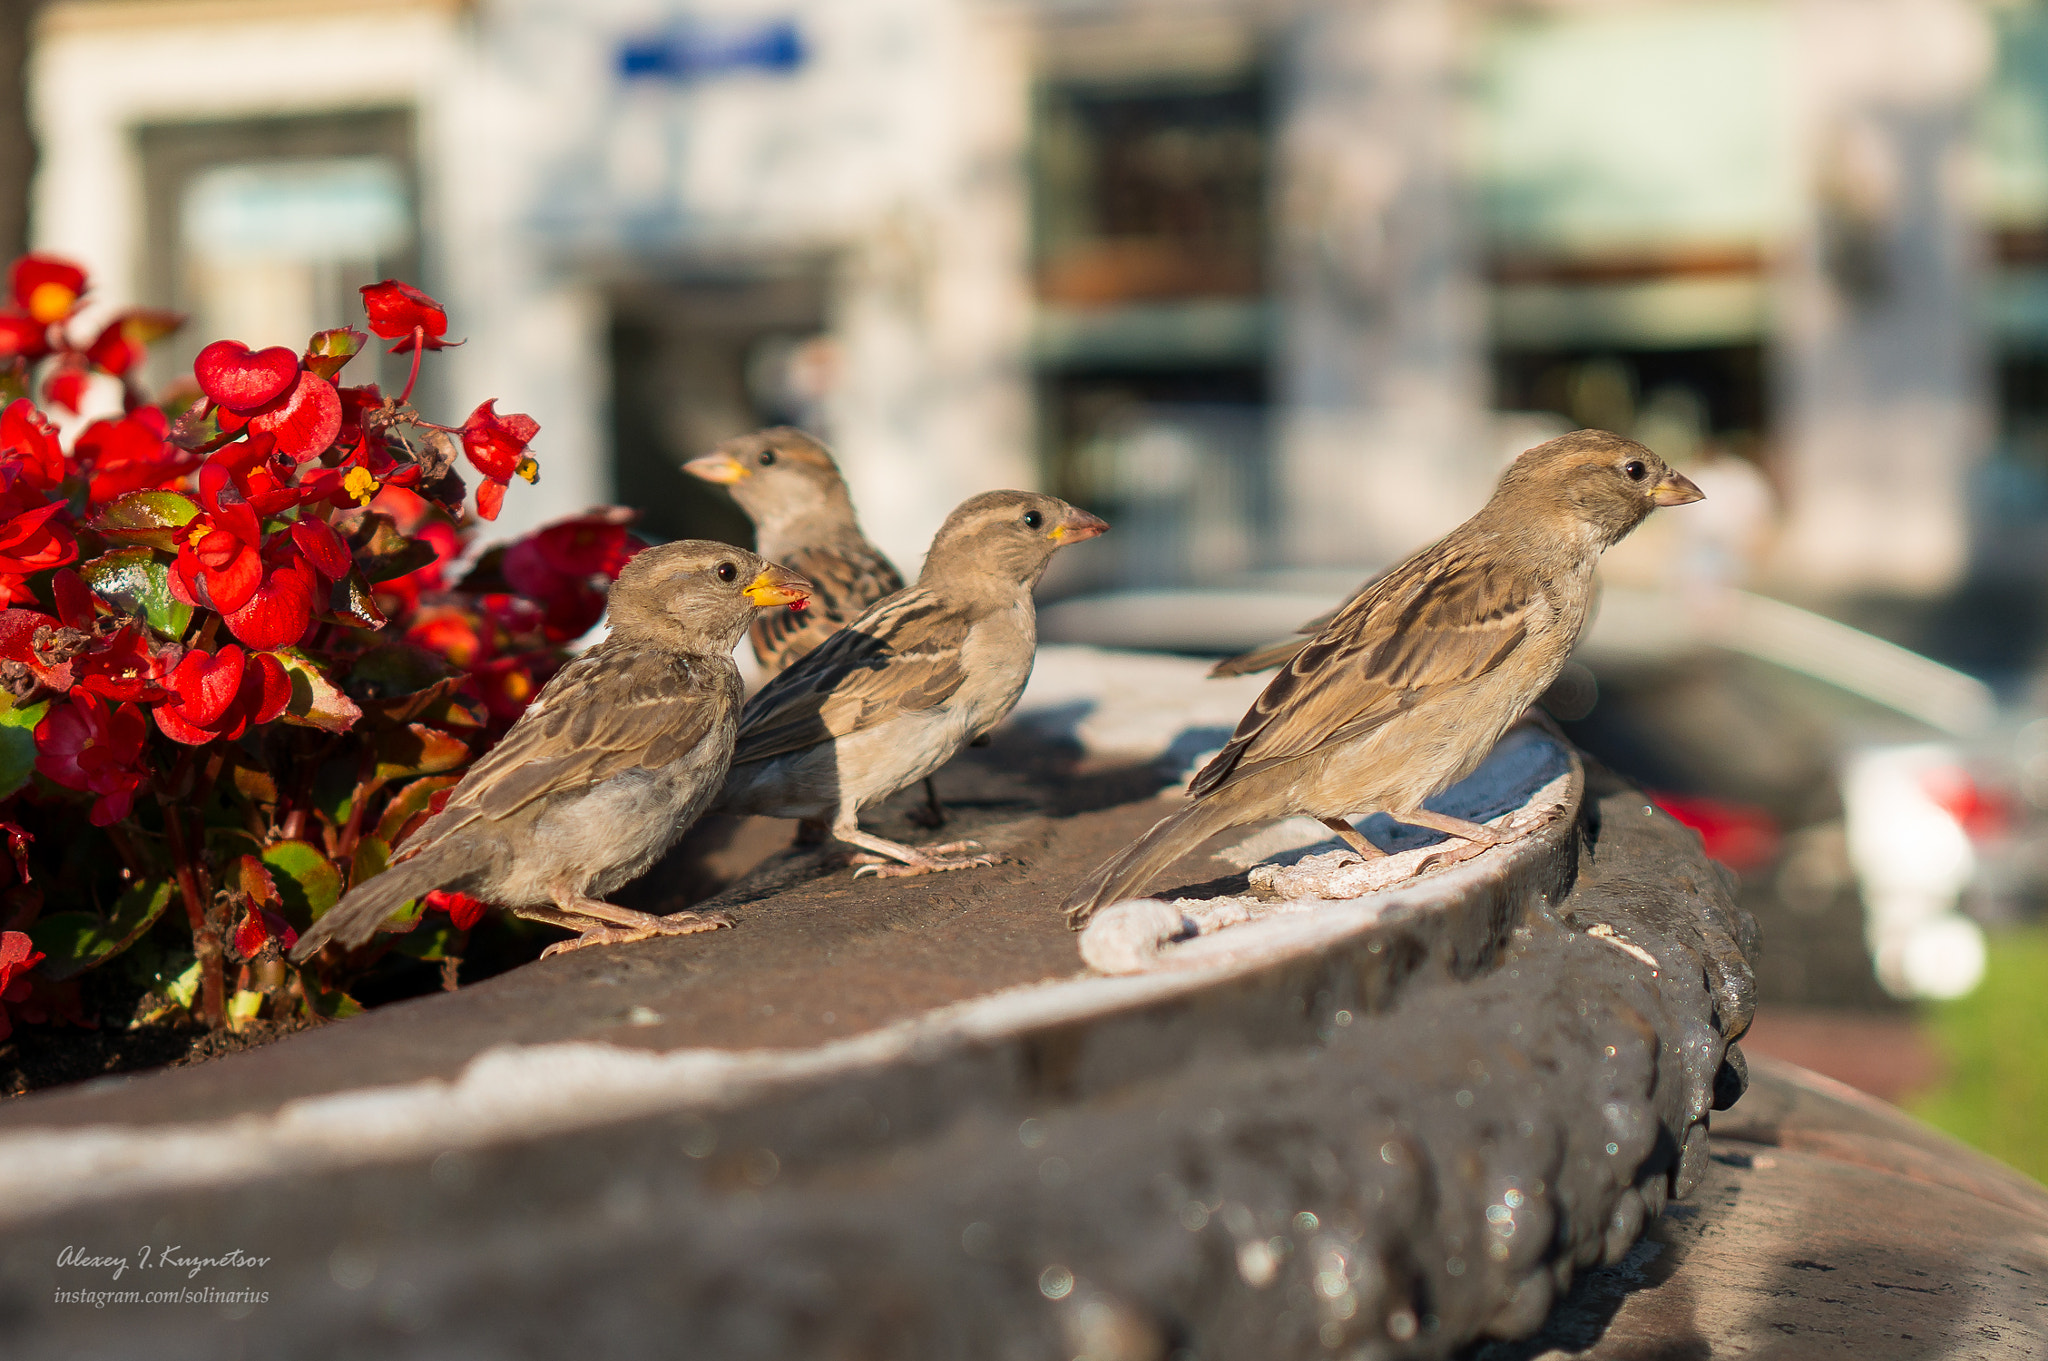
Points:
[65,387]
[251,935]
[267,688]
[207,685]
[396,309]
[278,614]
[242,379]
[23,336]
[177,729]
[323,548]
[463,910]
[77,606]
[45,286]
[28,442]
[490,498]
[306,421]
[494,443]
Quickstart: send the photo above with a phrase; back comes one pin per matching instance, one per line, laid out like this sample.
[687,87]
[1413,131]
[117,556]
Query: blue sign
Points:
[692,51]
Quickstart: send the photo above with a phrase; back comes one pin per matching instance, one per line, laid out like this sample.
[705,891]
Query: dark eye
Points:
[1032,519]
[1636,469]
[728,572]
[767,458]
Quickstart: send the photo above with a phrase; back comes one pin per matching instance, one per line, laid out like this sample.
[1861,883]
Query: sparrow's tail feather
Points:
[363,909]
[1128,871]
[1268,658]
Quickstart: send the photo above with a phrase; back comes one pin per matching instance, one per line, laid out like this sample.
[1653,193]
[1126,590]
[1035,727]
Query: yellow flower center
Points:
[359,484]
[50,302]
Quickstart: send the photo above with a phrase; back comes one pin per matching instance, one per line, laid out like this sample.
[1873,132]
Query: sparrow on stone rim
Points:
[1407,688]
[891,697]
[616,756]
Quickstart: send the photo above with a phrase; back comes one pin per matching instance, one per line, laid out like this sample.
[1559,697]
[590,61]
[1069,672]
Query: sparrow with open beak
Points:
[891,697]
[1408,686]
[615,757]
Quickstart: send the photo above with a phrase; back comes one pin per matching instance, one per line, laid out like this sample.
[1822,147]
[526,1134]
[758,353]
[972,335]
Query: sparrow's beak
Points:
[721,468]
[1075,526]
[1676,490]
[778,586]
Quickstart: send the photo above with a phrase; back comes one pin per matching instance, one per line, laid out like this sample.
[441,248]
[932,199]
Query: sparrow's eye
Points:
[1032,519]
[767,458]
[728,572]
[1636,469]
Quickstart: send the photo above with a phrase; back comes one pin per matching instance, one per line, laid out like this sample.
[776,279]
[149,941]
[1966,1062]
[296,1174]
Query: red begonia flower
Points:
[280,610]
[244,380]
[124,342]
[221,695]
[131,454]
[23,337]
[447,545]
[452,631]
[304,421]
[18,954]
[123,666]
[35,540]
[462,909]
[65,385]
[558,568]
[496,444]
[29,450]
[508,684]
[397,310]
[84,743]
[323,548]
[46,287]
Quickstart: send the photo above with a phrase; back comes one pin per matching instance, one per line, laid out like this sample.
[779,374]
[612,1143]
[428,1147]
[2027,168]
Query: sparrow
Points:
[790,488]
[1409,685]
[892,696]
[616,756]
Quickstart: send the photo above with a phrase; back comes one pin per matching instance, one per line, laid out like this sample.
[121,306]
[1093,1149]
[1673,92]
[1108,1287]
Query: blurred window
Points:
[263,230]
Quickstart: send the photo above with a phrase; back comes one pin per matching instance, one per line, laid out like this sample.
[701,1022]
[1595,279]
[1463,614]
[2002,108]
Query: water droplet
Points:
[1306,1222]
[1032,1134]
[1401,1325]
[1342,1018]
[1055,1282]
[1456,1266]
[1194,1216]
[1463,1098]
[699,1139]
[760,1167]
[1257,1263]
[1613,1149]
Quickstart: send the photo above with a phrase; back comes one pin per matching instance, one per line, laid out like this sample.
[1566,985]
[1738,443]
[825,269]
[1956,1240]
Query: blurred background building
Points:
[1277,286]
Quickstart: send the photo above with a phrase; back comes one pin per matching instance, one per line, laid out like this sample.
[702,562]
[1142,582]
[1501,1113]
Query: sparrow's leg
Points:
[1444,822]
[600,923]
[1353,838]
[933,814]
[913,859]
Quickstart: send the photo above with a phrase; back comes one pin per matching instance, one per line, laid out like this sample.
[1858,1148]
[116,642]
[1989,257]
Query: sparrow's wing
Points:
[902,655]
[845,580]
[607,711]
[1441,619]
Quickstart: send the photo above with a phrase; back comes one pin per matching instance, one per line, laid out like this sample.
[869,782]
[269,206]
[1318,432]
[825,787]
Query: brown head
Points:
[1605,483]
[780,476]
[697,596]
[1006,537]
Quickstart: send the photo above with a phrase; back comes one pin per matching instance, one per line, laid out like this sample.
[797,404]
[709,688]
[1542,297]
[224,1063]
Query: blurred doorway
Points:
[262,230]
[698,361]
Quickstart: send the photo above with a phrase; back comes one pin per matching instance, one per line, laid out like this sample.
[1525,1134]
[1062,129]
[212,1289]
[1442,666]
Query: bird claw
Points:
[674,924]
[927,865]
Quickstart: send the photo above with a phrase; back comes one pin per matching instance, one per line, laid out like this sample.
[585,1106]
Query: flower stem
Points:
[205,939]
[419,345]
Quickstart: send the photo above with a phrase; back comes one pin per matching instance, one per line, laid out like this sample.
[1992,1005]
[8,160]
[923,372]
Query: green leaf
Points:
[18,741]
[329,350]
[185,987]
[372,855]
[335,1006]
[140,583]
[417,749]
[409,803]
[316,702]
[306,879]
[147,517]
[77,941]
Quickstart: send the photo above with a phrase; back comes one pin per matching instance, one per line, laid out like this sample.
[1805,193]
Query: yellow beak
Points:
[721,468]
[1676,490]
[1075,526]
[778,586]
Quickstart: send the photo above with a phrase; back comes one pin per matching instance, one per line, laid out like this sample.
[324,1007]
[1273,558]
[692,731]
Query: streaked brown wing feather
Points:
[846,580]
[902,655]
[1438,620]
[607,711]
